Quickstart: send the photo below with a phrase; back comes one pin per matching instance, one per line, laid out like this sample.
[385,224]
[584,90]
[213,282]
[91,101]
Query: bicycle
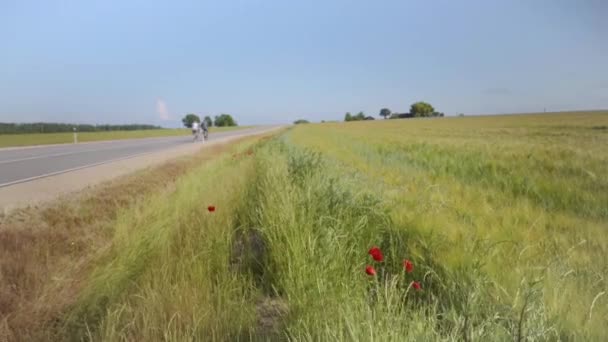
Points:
[196,135]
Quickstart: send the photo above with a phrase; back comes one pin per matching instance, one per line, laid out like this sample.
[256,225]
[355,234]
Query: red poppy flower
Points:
[370,271]
[211,208]
[376,253]
[408,266]
[416,285]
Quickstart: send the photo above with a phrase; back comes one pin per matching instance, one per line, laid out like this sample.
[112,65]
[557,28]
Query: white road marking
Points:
[71,153]
[23,180]
[243,133]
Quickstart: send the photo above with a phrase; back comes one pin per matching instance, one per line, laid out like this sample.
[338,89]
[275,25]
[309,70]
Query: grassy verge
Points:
[47,253]
[13,140]
[168,276]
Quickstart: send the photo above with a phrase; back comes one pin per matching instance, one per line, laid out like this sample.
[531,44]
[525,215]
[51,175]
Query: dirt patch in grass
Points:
[46,252]
[249,252]
[271,314]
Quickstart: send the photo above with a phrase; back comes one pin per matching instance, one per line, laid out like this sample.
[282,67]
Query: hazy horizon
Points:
[274,62]
[376,116]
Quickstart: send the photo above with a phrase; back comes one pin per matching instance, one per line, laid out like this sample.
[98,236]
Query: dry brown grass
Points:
[46,252]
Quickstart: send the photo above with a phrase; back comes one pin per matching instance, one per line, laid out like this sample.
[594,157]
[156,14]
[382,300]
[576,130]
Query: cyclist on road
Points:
[195,130]
[205,129]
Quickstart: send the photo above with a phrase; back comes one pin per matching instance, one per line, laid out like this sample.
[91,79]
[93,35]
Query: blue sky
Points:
[275,61]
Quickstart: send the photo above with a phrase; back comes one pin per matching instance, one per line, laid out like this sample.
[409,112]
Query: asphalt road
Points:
[26,164]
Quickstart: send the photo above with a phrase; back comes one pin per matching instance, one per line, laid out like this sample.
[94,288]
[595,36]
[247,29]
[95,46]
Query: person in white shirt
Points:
[195,130]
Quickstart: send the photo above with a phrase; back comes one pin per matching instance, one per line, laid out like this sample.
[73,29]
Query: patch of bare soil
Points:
[271,313]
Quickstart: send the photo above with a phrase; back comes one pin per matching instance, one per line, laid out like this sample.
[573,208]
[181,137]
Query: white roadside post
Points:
[75,136]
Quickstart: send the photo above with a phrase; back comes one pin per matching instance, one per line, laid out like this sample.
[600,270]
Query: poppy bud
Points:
[408,266]
[376,254]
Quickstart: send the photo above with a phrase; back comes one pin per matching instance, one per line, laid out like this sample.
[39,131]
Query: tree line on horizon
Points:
[222,120]
[357,117]
[418,109]
[51,127]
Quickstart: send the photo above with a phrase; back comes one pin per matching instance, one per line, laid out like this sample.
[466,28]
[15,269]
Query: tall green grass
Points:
[506,229]
[167,275]
[517,198]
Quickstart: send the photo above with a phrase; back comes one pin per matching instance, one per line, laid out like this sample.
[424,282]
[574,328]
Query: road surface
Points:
[18,165]
[33,175]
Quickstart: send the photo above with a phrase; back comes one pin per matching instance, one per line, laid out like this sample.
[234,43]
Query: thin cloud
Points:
[161,109]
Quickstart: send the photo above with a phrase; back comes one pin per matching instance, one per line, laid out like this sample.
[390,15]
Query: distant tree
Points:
[208,120]
[369,118]
[385,112]
[348,117]
[189,119]
[461,114]
[360,116]
[53,127]
[224,120]
[421,109]
[301,121]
